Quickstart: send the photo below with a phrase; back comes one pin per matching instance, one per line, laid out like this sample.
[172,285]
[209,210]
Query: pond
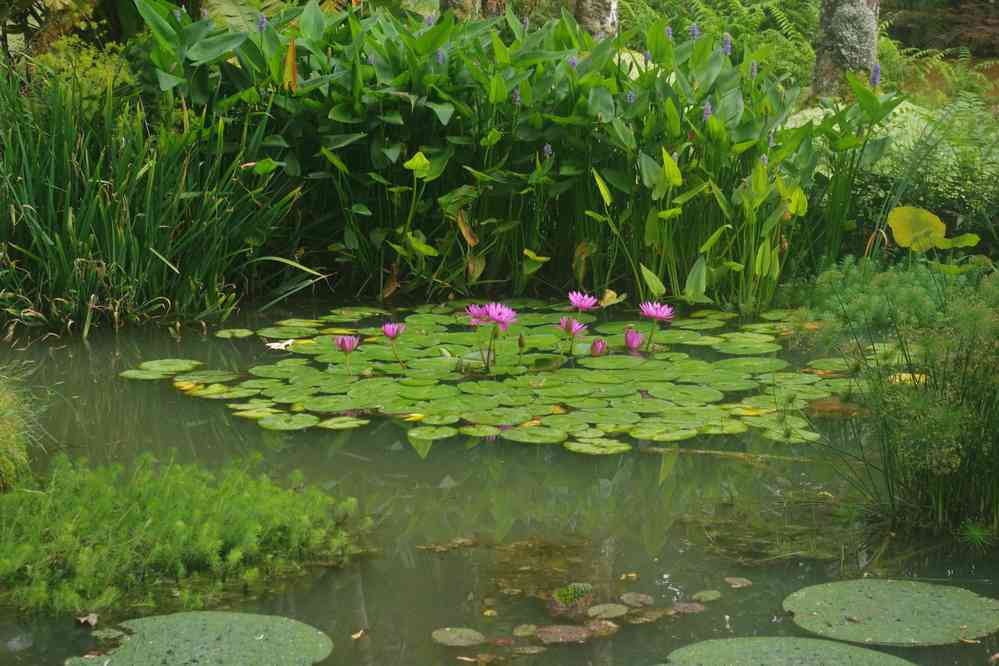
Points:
[473,530]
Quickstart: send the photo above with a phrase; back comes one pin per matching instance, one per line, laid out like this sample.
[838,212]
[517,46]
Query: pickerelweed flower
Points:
[441,56]
[571,327]
[547,151]
[708,111]
[632,340]
[727,44]
[515,96]
[261,23]
[875,75]
[630,97]
[765,160]
[573,62]
[582,301]
[371,59]
[177,14]
[694,31]
[657,312]
[647,57]
[347,344]
[598,347]
[772,139]
[669,33]
[754,69]
[428,20]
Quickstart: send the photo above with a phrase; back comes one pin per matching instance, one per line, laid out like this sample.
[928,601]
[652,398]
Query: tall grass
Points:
[105,217]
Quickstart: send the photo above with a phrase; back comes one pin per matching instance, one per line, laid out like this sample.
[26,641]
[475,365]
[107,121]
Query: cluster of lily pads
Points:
[537,374]
[898,613]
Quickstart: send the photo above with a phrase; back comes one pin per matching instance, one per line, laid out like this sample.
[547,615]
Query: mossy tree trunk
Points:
[847,41]
[598,17]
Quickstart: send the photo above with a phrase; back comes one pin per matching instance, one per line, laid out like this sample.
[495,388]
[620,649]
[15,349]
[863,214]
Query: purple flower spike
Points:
[875,75]
[694,31]
[630,96]
[177,14]
[632,339]
[515,97]
[598,347]
[571,326]
[573,62]
[669,33]
[771,139]
[393,330]
[547,151]
[347,343]
[727,44]
[754,69]
[656,310]
[708,111]
[261,23]
[371,59]
[582,301]
[647,56]
[441,57]
[428,20]
[765,160]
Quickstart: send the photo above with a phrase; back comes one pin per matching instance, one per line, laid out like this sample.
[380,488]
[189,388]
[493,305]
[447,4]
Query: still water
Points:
[527,518]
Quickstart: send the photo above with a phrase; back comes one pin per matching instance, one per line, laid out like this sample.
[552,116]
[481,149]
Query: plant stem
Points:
[652,333]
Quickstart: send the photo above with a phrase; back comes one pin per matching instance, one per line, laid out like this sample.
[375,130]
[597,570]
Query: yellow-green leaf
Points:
[916,228]
[602,186]
[671,170]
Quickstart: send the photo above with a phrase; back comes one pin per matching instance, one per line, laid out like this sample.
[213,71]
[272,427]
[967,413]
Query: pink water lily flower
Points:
[632,339]
[582,301]
[477,314]
[393,330]
[571,326]
[347,343]
[657,311]
[495,313]
[598,347]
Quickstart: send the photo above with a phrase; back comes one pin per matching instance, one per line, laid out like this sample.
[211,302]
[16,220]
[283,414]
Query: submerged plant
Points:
[656,312]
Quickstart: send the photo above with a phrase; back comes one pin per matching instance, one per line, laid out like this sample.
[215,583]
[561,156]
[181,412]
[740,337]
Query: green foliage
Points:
[929,348]
[144,222]
[99,538]
[14,434]
[84,69]
[454,156]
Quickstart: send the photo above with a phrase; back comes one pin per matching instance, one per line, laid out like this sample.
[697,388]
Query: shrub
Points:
[159,534]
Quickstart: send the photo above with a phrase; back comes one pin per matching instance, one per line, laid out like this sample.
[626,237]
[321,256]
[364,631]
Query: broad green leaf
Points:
[602,186]
[671,170]
[916,228]
[652,281]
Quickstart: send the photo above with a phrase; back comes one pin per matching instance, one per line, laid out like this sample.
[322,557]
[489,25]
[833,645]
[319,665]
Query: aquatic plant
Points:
[656,312]
[161,534]
[633,340]
[571,328]
[598,347]
[14,435]
[582,301]
[497,314]
[347,344]
[392,332]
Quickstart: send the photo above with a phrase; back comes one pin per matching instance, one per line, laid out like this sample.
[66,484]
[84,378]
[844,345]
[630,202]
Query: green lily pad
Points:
[831,364]
[170,366]
[207,377]
[706,596]
[698,324]
[343,423]
[690,395]
[479,430]
[613,362]
[746,348]
[287,332]
[432,433]
[562,633]
[791,436]
[233,333]
[598,446]
[776,315]
[535,435]
[136,373]
[288,422]
[458,637]
[752,366]
[893,612]
[256,413]
[243,639]
[607,611]
[778,651]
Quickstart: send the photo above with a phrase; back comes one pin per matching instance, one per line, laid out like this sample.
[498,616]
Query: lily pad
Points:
[432,432]
[170,366]
[746,348]
[288,422]
[458,637]
[706,596]
[601,628]
[233,333]
[525,630]
[535,435]
[607,611]
[343,423]
[287,332]
[226,639]
[598,446]
[893,612]
[562,633]
[136,373]
[637,599]
[688,607]
[207,376]
[779,651]
[831,364]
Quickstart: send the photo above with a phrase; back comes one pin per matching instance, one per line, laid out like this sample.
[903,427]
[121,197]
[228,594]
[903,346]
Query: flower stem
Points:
[349,373]
[396,353]
[652,333]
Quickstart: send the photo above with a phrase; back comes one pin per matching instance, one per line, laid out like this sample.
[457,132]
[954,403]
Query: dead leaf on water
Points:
[360,633]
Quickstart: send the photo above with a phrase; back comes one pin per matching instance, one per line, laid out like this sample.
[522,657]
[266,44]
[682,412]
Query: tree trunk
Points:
[847,41]
[598,17]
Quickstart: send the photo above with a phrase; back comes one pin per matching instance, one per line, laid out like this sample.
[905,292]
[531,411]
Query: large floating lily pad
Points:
[288,422]
[233,333]
[458,637]
[136,373]
[535,435]
[170,365]
[562,633]
[607,611]
[893,612]
[217,638]
[778,651]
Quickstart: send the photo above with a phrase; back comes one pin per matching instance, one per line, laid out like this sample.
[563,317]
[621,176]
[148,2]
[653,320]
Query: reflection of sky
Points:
[658,520]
